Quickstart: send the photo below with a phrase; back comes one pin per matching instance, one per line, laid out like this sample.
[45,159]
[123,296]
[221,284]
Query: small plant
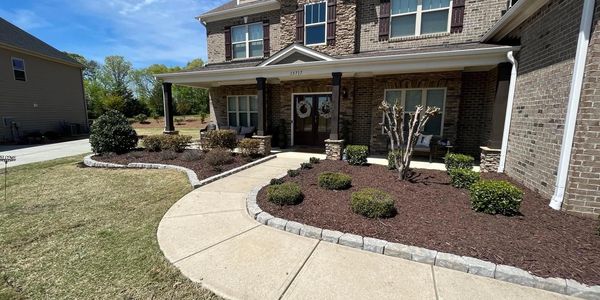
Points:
[192,155]
[168,155]
[287,193]
[203,116]
[306,166]
[357,154]
[111,132]
[218,157]
[141,118]
[293,173]
[152,143]
[314,160]
[463,178]
[372,203]
[335,181]
[176,142]
[458,161]
[249,147]
[179,121]
[276,181]
[220,139]
[392,157]
[496,197]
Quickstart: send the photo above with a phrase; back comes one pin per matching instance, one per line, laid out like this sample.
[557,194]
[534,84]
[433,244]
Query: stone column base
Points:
[265,144]
[490,159]
[175,132]
[334,149]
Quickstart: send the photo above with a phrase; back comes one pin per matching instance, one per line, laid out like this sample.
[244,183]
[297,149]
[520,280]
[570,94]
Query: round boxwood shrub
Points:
[373,203]
[463,178]
[111,132]
[335,181]
[458,161]
[357,154]
[496,197]
[287,193]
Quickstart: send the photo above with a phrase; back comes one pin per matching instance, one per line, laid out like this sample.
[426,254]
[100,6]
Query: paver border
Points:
[465,264]
[192,177]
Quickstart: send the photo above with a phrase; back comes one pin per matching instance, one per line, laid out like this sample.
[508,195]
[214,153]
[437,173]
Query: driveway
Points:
[27,154]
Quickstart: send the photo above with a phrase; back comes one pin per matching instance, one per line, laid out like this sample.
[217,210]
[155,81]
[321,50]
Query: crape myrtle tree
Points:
[403,141]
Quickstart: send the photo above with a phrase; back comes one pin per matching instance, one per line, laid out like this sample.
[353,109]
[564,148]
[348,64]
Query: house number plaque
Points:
[296,73]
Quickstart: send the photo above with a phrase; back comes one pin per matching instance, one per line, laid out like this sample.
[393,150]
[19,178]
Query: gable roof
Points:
[514,16]
[296,49]
[233,9]
[16,38]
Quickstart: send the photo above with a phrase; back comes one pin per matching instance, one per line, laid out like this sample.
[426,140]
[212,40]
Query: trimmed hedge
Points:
[249,147]
[357,154]
[458,161]
[218,157]
[334,181]
[306,166]
[287,193]
[220,139]
[111,132]
[463,178]
[162,142]
[496,197]
[373,203]
[314,160]
[276,181]
[293,173]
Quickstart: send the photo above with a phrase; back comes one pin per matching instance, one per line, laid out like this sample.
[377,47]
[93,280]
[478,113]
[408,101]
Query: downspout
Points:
[509,105]
[573,105]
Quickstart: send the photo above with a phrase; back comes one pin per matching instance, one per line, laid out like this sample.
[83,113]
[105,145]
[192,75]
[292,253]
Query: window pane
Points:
[255,32]
[404,25]
[232,103]
[392,96]
[253,104]
[315,13]
[435,98]
[433,4]
[434,125]
[315,34]
[308,14]
[18,65]
[321,6]
[233,119]
[243,103]
[256,49]
[244,119]
[239,50]
[19,75]
[403,6]
[436,21]
[413,98]
[238,34]
[254,119]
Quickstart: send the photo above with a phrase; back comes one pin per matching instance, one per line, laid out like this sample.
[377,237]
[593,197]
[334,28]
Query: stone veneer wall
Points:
[549,40]
[583,187]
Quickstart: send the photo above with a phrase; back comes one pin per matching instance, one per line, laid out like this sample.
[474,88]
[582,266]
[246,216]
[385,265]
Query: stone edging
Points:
[465,264]
[192,177]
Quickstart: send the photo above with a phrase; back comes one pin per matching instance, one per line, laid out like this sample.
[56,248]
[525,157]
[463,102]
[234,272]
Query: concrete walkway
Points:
[210,237]
[36,153]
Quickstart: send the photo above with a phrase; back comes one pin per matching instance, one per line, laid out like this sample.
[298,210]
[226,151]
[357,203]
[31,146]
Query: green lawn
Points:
[71,232]
[194,132]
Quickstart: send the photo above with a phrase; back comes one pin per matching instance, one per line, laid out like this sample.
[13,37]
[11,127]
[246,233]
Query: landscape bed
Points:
[434,215]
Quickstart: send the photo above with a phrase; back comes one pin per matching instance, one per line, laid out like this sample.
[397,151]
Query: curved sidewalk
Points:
[210,237]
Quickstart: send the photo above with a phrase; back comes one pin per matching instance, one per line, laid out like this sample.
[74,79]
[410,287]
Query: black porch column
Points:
[336,87]
[261,84]
[168,102]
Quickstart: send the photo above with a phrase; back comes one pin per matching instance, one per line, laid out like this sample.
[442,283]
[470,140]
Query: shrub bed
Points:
[458,161]
[162,142]
[496,197]
[463,178]
[287,193]
[220,139]
[218,157]
[373,203]
[249,147]
[335,181]
[356,155]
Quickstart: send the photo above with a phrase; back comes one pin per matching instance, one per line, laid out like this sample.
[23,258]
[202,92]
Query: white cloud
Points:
[24,19]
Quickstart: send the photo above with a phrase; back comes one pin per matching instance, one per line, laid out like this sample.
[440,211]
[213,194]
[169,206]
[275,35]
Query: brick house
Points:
[516,82]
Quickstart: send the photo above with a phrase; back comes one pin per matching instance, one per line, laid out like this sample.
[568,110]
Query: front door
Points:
[312,119]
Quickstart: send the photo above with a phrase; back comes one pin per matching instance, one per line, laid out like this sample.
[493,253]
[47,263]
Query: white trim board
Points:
[295,48]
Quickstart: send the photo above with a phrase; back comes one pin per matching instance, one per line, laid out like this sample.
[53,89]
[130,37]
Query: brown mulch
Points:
[434,215]
[200,167]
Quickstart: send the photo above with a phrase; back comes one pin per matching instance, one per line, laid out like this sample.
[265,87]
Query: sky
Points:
[145,32]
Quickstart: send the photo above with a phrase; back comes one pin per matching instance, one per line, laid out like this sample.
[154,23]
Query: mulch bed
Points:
[434,215]
[200,167]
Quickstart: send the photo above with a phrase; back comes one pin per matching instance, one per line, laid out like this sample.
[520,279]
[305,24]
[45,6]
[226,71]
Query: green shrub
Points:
[463,178]
[287,193]
[496,197]
[276,181]
[334,181]
[357,154]
[220,139]
[306,166]
[458,161]
[373,203]
[141,118]
[111,132]
[168,155]
[162,142]
[249,147]
[192,155]
[218,157]
[293,173]
[152,143]
[391,158]
[314,160]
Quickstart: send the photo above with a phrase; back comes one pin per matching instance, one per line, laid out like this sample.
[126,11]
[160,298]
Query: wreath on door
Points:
[303,109]
[325,109]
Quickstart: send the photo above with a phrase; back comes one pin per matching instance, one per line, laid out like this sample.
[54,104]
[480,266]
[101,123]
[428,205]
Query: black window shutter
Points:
[227,43]
[384,20]
[266,39]
[458,15]
[300,24]
[331,16]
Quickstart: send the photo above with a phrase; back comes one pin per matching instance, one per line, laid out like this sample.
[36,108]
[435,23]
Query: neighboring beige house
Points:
[517,81]
[41,88]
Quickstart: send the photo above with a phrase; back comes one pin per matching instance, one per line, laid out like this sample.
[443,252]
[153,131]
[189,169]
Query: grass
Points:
[71,232]
[194,132]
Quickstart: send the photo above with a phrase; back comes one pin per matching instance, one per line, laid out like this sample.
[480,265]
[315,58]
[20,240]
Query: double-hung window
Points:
[315,16]
[420,17]
[242,111]
[410,98]
[18,66]
[247,41]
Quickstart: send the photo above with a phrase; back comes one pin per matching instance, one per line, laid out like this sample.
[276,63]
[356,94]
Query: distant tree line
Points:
[115,84]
